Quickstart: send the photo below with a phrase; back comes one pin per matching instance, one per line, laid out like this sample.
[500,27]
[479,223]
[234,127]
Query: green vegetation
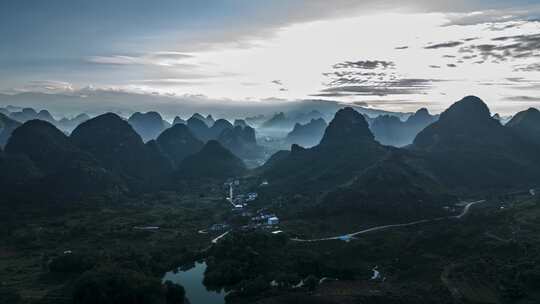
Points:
[489,256]
[41,255]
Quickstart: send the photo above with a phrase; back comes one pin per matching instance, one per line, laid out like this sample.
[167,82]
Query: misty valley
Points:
[327,203]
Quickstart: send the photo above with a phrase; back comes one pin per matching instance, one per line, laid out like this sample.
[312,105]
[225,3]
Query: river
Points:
[192,280]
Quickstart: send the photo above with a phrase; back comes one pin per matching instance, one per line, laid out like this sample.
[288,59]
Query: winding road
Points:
[347,237]
[214,241]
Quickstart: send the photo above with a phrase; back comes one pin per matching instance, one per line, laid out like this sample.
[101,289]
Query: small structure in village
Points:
[274,220]
[218,227]
[146,227]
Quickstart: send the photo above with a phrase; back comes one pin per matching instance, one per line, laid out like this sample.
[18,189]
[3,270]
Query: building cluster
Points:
[218,227]
[265,219]
[239,201]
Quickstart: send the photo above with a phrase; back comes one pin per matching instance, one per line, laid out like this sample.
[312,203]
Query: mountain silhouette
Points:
[212,161]
[199,128]
[7,126]
[526,124]
[120,149]
[178,120]
[66,169]
[218,127]
[308,134]
[241,141]
[467,148]
[178,142]
[148,125]
[68,125]
[347,128]
[390,130]
[347,147]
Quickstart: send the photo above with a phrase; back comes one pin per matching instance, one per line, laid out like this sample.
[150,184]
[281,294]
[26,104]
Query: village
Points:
[239,204]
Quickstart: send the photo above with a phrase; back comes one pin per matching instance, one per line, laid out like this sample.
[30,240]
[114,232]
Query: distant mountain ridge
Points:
[23,115]
[390,130]
[309,134]
[7,126]
[148,125]
[96,102]
[465,150]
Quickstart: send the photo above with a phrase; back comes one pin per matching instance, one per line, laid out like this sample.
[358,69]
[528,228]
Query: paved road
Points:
[219,237]
[347,237]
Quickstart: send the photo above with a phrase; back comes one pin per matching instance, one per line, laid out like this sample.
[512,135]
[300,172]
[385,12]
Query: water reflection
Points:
[192,280]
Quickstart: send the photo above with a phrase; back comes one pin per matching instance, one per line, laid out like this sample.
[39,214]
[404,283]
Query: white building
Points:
[274,220]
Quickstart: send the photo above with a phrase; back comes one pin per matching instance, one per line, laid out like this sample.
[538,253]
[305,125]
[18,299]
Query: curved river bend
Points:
[192,280]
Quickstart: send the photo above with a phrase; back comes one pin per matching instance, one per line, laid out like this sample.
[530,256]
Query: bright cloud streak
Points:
[299,56]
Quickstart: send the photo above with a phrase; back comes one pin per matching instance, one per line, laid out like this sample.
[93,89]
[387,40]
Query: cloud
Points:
[401,47]
[370,78]
[394,102]
[534,67]
[46,86]
[365,64]
[278,82]
[523,98]
[114,60]
[170,55]
[169,82]
[507,47]
[435,66]
[403,86]
[355,77]
[161,58]
[451,65]
[494,17]
[449,44]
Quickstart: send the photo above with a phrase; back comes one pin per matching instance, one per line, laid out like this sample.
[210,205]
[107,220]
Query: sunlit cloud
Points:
[430,52]
[162,58]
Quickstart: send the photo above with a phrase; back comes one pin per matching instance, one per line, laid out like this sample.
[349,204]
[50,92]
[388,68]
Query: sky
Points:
[391,55]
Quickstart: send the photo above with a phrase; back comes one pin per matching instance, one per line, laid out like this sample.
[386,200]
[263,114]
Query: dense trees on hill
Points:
[177,143]
[212,161]
[346,148]
[468,149]
[64,169]
[121,286]
[526,124]
[121,150]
